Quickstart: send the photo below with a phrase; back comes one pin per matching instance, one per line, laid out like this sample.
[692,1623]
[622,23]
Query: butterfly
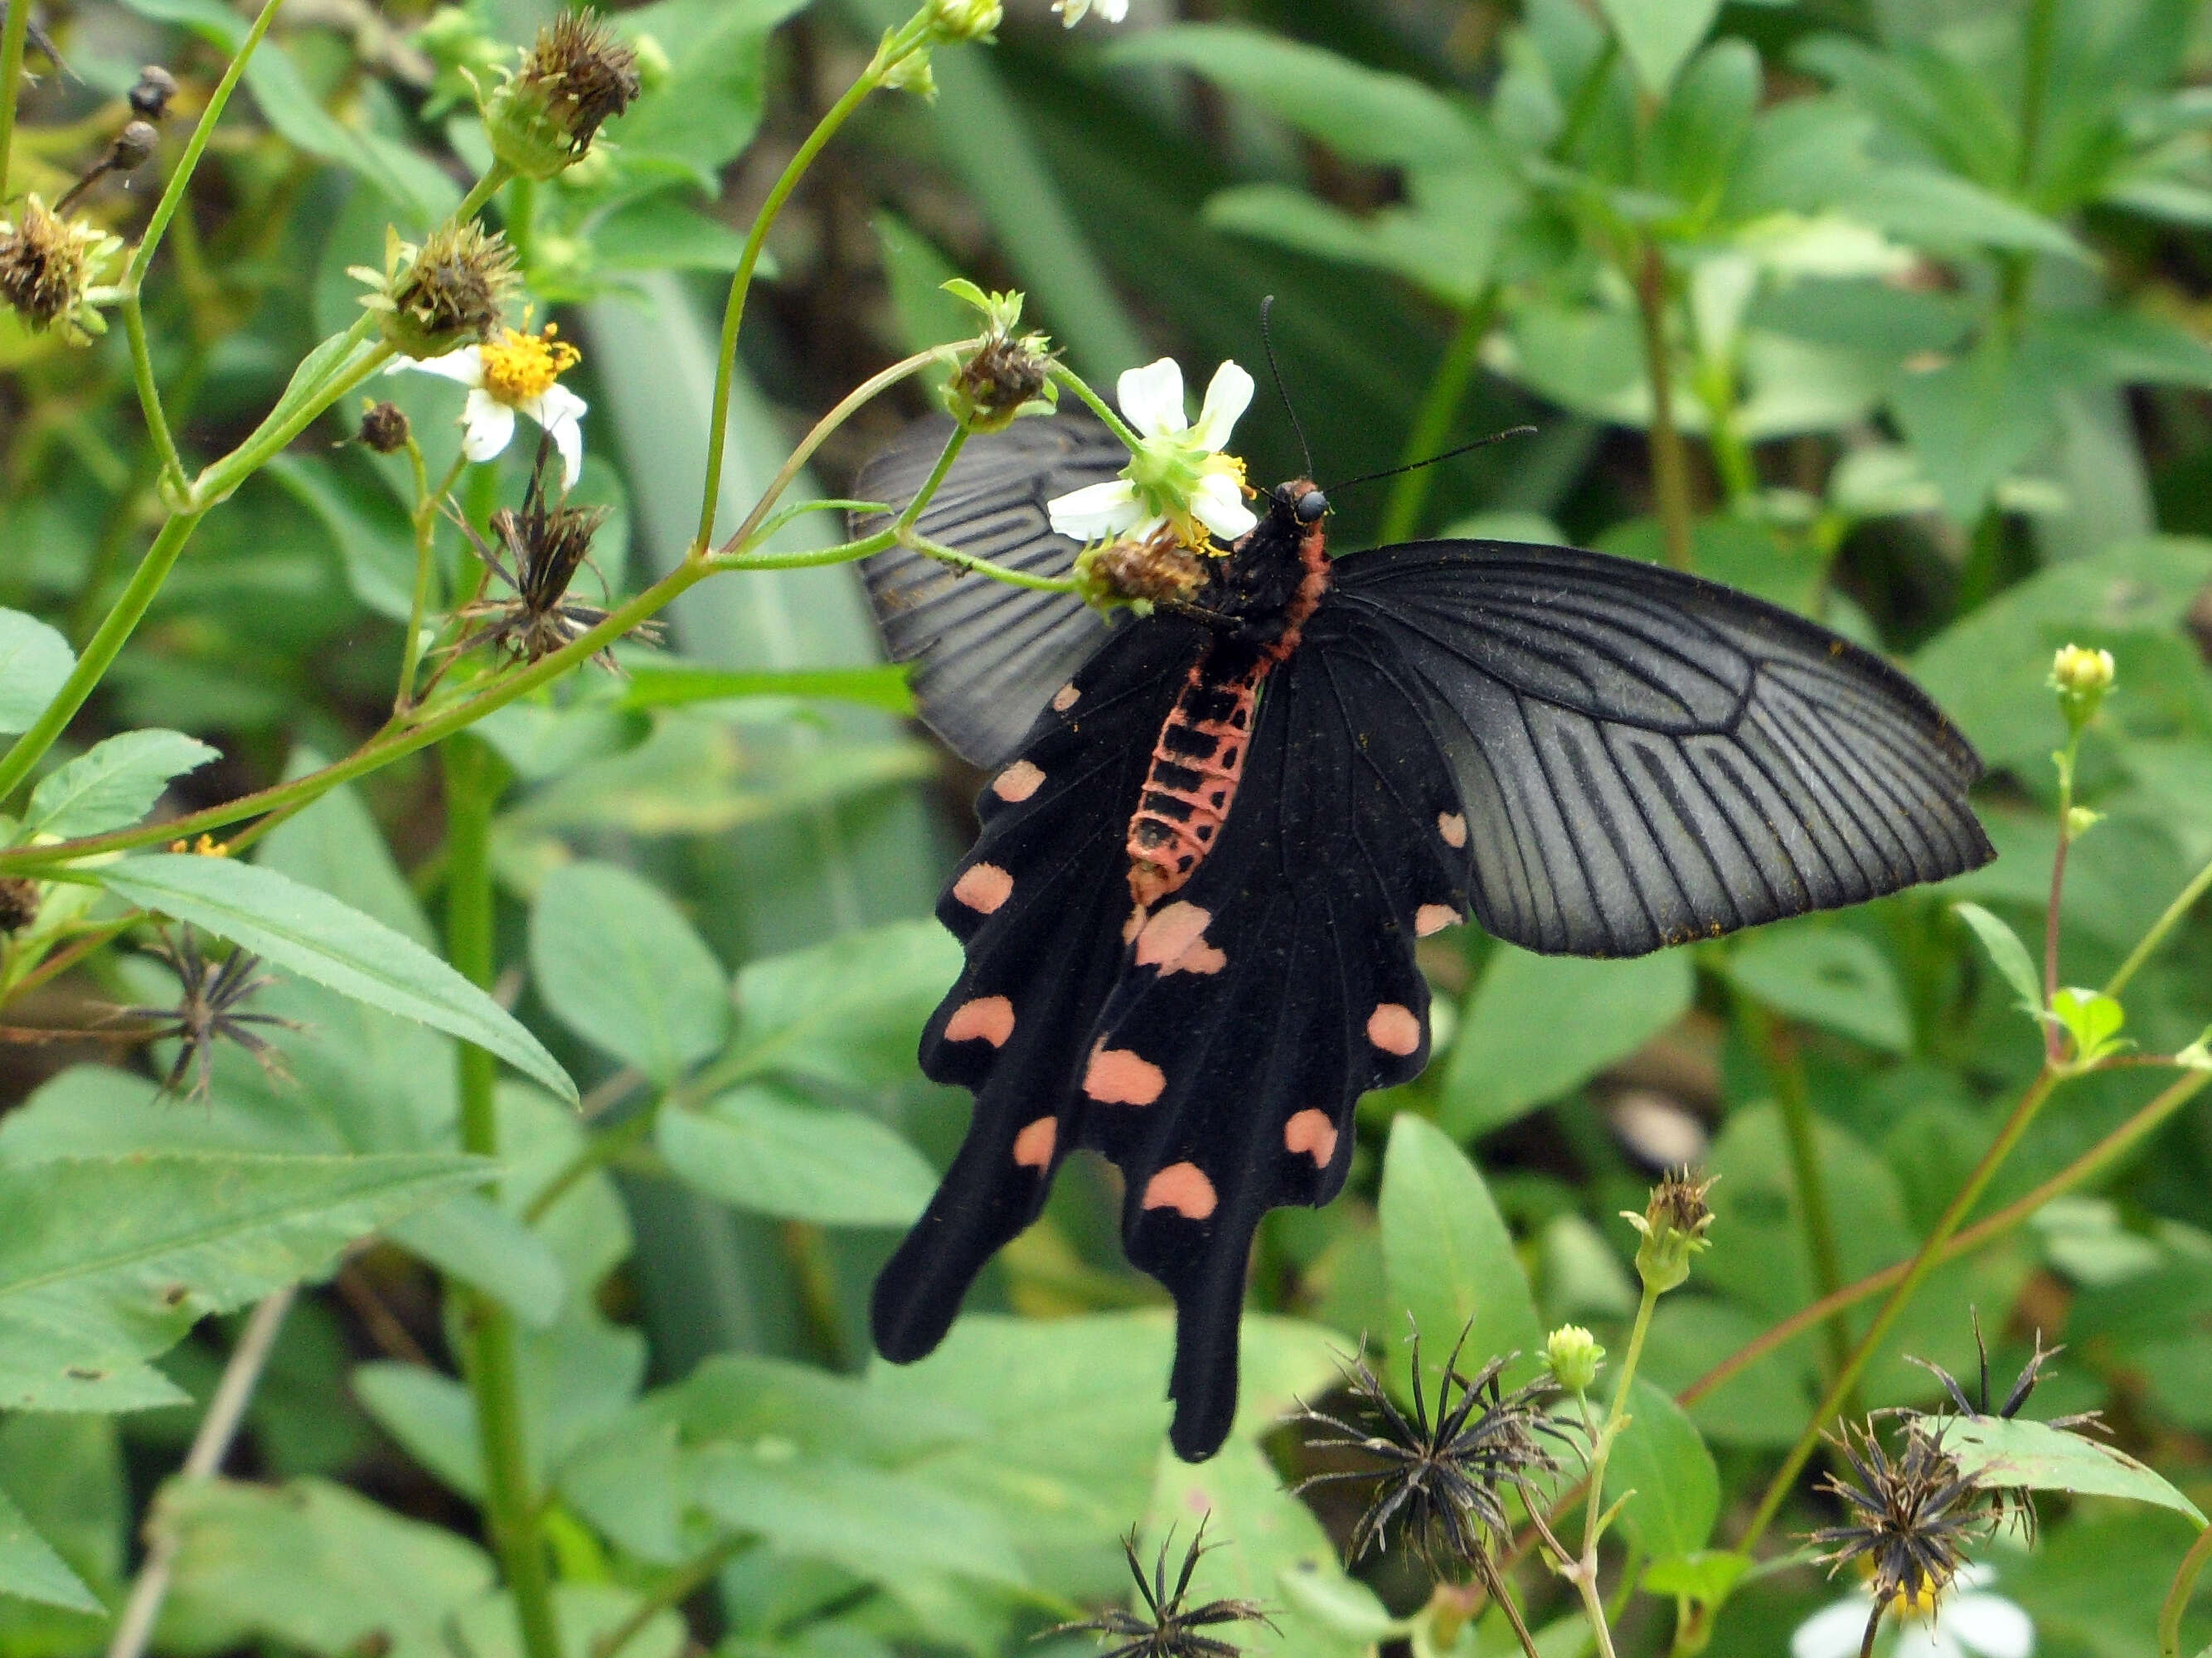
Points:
[1214,833]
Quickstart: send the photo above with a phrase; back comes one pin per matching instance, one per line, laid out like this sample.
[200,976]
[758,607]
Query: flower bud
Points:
[2081,675]
[913,73]
[965,19]
[1674,1224]
[131,148]
[150,95]
[575,76]
[48,265]
[383,427]
[450,292]
[1573,1357]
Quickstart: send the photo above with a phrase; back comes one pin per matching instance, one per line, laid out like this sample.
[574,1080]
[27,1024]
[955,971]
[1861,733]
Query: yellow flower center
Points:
[520,367]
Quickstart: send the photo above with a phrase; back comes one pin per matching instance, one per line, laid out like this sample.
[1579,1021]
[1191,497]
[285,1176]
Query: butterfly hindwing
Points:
[1645,758]
[988,654]
[1039,904]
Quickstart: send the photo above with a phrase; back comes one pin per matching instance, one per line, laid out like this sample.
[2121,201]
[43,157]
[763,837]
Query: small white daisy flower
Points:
[517,373]
[1967,1621]
[1178,476]
[1071,12]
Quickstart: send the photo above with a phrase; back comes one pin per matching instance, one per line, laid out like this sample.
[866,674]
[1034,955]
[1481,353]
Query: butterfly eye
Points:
[1311,505]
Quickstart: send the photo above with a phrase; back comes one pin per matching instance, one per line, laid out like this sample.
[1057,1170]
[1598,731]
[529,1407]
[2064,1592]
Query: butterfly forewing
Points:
[988,654]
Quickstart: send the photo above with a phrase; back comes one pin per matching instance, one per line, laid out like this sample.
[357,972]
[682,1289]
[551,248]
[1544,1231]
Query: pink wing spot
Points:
[1453,828]
[1392,1028]
[1313,1134]
[1033,1145]
[1434,918]
[983,887]
[1018,782]
[1174,941]
[1117,1077]
[987,1018]
[1183,1188]
[1065,698]
[1134,924]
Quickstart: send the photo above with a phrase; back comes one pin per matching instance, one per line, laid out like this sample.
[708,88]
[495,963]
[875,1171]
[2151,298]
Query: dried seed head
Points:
[150,95]
[450,292]
[210,1008]
[1000,377]
[383,427]
[132,147]
[19,902]
[1141,575]
[1166,1628]
[1674,1224]
[1908,1518]
[48,265]
[575,76]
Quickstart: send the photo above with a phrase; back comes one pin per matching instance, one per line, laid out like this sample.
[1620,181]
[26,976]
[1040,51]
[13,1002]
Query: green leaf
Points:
[660,233]
[1593,1013]
[846,1011]
[371,531]
[1708,1575]
[588,1614]
[708,107]
[1661,1458]
[620,966]
[1659,35]
[1447,1254]
[470,1238]
[765,1151]
[336,845]
[1825,976]
[661,684]
[30,1569]
[2092,1020]
[112,1260]
[35,660]
[1942,211]
[113,784]
[315,935]
[2007,954]
[429,1415]
[1993,1453]
[750,1397]
[1973,421]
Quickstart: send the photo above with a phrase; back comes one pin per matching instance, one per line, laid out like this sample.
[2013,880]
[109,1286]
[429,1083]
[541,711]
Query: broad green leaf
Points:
[35,660]
[336,845]
[316,936]
[371,530]
[620,966]
[2007,954]
[470,1238]
[110,1260]
[312,1566]
[765,1151]
[1828,977]
[1764,1406]
[112,785]
[1941,210]
[849,1010]
[430,1418]
[661,683]
[1973,421]
[1658,36]
[705,110]
[30,1569]
[661,233]
[1448,1256]
[1448,250]
[1661,1457]
[1708,1575]
[65,1475]
[749,1397]
[1592,1013]
[1995,1452]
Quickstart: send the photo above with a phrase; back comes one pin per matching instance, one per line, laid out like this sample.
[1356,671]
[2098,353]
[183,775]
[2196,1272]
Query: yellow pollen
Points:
[207,846]
[520,367]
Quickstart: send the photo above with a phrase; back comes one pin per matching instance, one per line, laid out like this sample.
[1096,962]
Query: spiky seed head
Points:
[1674,1224]
[999,378]
[574,78]
[151,93]
[48,267]
[451,291]
[1908,1517]
[1141,575]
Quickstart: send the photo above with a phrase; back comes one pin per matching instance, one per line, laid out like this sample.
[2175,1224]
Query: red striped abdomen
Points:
[1196,764]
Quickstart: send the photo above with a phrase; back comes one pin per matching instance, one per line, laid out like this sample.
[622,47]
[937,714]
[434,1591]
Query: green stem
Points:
[292,416]
[1074,382]
[1785,1069]
[493,1370]
[2042,16]
[2165,924]
[426,566]
[2177,1597]
[1585,1570]
[149,394]
[13,33]
[1587,97]
[935,481]
[679,1586]
[1439,408]
[896,47]
[2054,1039]
[1923,1263]
[1670,473]
[974,566]
[483,190]
[598,1150]
[522,219]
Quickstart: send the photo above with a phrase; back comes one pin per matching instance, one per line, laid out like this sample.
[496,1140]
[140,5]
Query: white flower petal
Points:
[1070,11]
[1113,10]
[1219,504]
[1834,1631]
[1094,512]
[487,424]
[466,365]
[561,412]
[1151,398]
[1228,395]
[1924,1640]
[1990,1625]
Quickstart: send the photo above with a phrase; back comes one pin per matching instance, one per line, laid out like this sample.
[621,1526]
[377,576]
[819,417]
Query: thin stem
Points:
[679,1586]
[2165,924]
[218,1429]
[935,481]
[2034,85]
[149,394]
[1670,475]
[1432,421]
[1785,1069]
[1074,382]
[1874,1624]
[2177,1597]
[974,566]
[596,1152]
[1585,1571]
[521,218]
[13,33]
[271,438]
[426,566]
[898,45]
[510,1511]
[2054,1043]
[483,190]
[1496,1584]
[1923,1263]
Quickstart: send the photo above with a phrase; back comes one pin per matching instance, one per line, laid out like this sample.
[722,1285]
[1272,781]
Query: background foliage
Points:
[1925,284]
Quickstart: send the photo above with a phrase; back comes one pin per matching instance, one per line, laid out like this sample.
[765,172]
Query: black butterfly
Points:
[1216,832]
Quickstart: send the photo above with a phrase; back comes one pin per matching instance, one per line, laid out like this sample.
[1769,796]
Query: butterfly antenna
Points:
[1267,341]
[1448,454]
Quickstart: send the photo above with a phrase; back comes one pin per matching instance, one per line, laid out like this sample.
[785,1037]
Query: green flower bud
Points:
[450,292]
[1574,1358]
[2081,675]
[575,76]
[965,19]
[1674,1224]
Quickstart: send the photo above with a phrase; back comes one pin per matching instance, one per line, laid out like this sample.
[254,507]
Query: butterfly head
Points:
[1300,500]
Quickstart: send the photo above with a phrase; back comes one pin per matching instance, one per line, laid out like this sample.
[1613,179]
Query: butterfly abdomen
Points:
[1197,761]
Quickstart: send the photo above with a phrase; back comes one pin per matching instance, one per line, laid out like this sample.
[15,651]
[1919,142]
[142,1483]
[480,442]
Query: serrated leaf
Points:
[316,936]
[35,660]
[766,1152]
[2007,954]
[108,1261]
[1994,1452]
[30,1570]
[620,966]
[113,784]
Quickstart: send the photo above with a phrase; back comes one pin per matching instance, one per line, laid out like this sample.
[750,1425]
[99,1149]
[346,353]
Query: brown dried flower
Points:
[575,77]
[452,291]
[1166,1629]
[48,267]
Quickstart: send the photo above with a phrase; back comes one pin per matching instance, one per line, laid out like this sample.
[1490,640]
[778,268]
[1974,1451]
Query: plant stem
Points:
[510,1512]
[149,394]
[495,177]
[2054,1039]
[1785,1070]
[1916,1272]
[1432,421]
[1585,1571]
[2165,924]
[2035,81]
[1494,1581]
[1074,382]
[218,1429]
[2177,1597]
[896,47]
[1670,475]
[596,1152]
[426,566]
[679,1586]
[934,481]
[13,33]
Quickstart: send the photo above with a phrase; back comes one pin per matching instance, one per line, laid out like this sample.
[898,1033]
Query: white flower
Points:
[1178,475]
[1071,11]
[1964,1622]
[518,372]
